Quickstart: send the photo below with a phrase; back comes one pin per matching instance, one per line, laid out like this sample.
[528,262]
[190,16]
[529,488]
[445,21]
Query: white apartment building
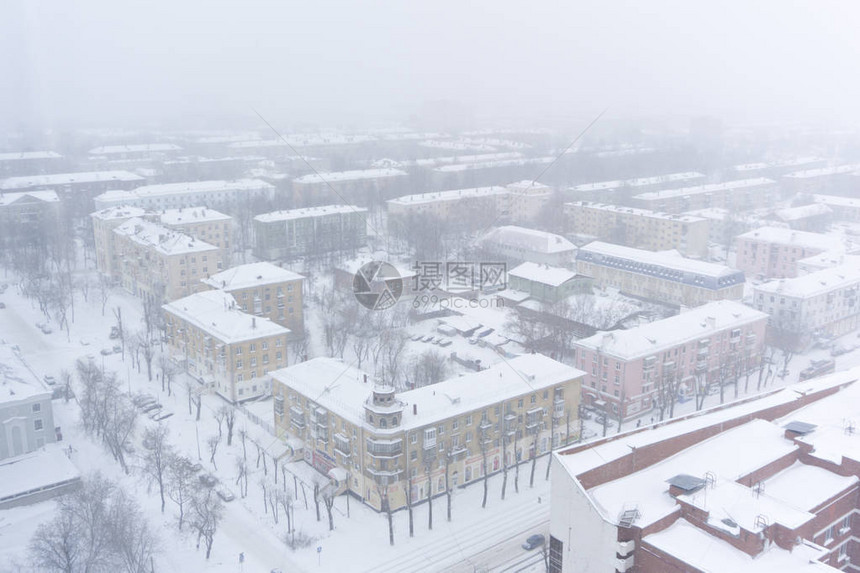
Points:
[214,194]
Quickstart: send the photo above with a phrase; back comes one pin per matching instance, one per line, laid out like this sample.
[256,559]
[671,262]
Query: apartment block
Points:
[26,217]
[844,208]
[159,264]
[207,225]
[213,194]
[737,195]
[263,289]
[466,208]
[838,179]
[815,217]
[630,369]
[773,252]
[364,187]
[104,223]
[823,302]
[227,350]
[427,440]
[23,162]
[640,228]
[309,231]
[660,277]
[768,485]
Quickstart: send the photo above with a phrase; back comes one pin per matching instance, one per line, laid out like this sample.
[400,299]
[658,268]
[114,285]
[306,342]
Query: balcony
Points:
[458,452]
[342,445]
[384,448]
[384,477]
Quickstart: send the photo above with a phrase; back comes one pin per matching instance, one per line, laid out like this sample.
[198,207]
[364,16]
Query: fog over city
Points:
[429,287]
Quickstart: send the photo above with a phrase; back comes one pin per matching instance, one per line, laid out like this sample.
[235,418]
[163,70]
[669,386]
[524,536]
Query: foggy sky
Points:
[365,62]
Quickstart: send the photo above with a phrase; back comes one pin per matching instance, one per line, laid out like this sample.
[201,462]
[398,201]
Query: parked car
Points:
[106,352]
[196,467]
[114,333]
[818,368]
[47,329]
[155,413]
[49,380]
[163,416]
[151,407]
[208,480]
[841,348]
[117,349]
[533,541]
[225,494]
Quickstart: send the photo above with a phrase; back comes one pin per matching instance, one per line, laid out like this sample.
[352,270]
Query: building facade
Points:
[547,284]
[364,187]
[427,441]
[668,279]
[310,231]
[844,208]
[27,217]
[203,224]
[104,222]
[26,417]
[227,350]
[640,228]
[738,195]
[773,252]
[192,194]
[513,243]
[649,366]
[263,289]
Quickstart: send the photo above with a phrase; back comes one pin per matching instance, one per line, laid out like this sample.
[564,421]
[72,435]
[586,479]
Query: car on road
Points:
[841,348]
[225,494]
[117,349]
[114,333]
[155,413]
[106,352]
[162,416]
[46,329]
[150,407]
[49,380]
[533,541]
[196,467]
[208,480]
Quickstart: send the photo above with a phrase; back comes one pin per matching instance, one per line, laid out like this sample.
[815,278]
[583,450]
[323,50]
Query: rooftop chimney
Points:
[253,322]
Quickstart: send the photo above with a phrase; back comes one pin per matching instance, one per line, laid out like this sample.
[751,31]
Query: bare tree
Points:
[156,457]
[212,445]
[206,511]
[181,480]
[230,419]
[328,501]
[483,440]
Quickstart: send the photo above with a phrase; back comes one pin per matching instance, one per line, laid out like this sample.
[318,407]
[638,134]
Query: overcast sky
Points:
[365,62]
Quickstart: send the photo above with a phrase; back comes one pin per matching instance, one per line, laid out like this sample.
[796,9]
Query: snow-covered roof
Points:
[202,187]
[751,167]
[544,274]
[356,175]
[687,218]
[118,212]
[689,326]
[528,239]
[216,313]
[837,201]
[666,266]
[805,486]
[450,195]
[162,239]
[36,471]
[709,188]
[67,179]
[814,284]
[16,381]
[139,148]
[530,186]
[669,178]
[823,172]
[804,211]
[191,215]
[321,211]
[784,236]
[705,552]
[251,275]
[29,155]
[827,260]
[494,164]
[46,196]
[339,387]
[306,140]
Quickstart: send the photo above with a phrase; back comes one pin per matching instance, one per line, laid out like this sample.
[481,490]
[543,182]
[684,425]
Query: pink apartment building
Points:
[773,252]
[636,370]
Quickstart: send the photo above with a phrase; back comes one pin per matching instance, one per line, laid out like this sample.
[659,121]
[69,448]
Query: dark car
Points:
[533,541]
[208,480]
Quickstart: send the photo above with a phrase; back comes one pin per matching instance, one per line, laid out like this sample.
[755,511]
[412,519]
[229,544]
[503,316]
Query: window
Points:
[253,347]
[413,438]
[37,425]
[846,524]
[238,350]
[37,407]
[265,345]
[469,420]
[828,535]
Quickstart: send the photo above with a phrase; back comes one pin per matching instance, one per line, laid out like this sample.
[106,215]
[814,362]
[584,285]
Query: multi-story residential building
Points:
[480,173]
[824,302]
[526,200]
[665,278]
[159,264]
[768,485]
[773,252]
[839,179]
[647,366]
[468,208]
[826,260]
[26,217]
[213,194]
[737,195]
[364,187]
[263,289]
[104,222]
[844,208]
[512,243]
[815,217]
[640,228]
[26,417]
[620,191]
[207,225]
[227,350]
[22,162]
[725,225]
[430,439]
[309,231]
[89,183]
[141,150]
[546,283]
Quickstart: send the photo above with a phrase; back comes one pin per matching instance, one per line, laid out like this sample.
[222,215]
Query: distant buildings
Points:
[665,278]
[837,179]
[737,195]
[88,184]
[514,243]
[263,289]
[212,194]
[364,187]
[226,349]
[824,302]
[309,231]
[545,283]
[639,228]
[615,191]
[135,150]
[814,218]
[21,163]
[27,217]
[764,486]
[384,444]
[652,365]
[844,208]
[773,252]
[203,224]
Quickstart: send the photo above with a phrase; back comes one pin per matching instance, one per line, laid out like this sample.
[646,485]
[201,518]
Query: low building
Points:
[229,351]
[207,225]
[104,222]
[159,264]
[737,195]
[26,416]
[767,485]
[814,218]
[425,441]
[193,194]
[263,289]
[826,260]
[653,364]
[639,228]
[773,252]
[512,243]
[844,208]
[309,231]
[545,283]
[824,302]
[666,278]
